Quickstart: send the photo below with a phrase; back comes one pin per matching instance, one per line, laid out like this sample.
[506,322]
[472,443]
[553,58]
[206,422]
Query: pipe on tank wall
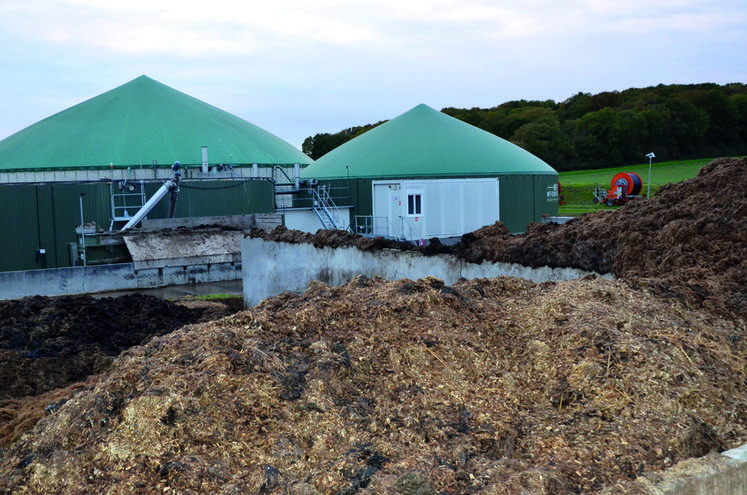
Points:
[150,204]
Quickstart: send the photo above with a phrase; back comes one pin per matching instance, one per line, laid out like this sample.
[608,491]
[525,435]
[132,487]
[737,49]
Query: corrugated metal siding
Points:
[199,198]
[19,236]
[356,193]
[545,196]
[517,201]
[364,201]
[63,214]
[524,199]
[45,226]
[45,215]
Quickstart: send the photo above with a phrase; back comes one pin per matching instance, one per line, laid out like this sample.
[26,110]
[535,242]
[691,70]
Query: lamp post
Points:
[650,157]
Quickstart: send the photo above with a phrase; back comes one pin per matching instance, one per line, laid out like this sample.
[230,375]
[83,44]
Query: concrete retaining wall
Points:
[265,221]
[273,267]
[102,278]
[58,281]
[714,474]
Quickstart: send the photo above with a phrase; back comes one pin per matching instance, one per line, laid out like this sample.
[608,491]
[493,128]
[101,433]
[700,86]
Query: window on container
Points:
[415,204]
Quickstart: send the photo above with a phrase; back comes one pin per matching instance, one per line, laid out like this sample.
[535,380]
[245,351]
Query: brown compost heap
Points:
[413,387]
[49,346]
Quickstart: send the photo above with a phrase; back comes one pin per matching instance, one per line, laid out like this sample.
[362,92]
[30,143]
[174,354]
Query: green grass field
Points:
[578,186]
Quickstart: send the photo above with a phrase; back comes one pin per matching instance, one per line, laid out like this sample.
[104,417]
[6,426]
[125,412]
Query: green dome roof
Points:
[140,122]
[424,142]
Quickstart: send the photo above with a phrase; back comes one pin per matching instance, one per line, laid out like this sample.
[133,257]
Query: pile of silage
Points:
[488,386]
[51,347]
[688,242]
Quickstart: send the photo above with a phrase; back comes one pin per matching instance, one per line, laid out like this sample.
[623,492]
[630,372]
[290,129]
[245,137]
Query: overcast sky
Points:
[301,67]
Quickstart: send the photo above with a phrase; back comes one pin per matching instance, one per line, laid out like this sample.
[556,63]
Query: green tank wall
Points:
[526,198]
[214,198]
[44,216]
[355,193]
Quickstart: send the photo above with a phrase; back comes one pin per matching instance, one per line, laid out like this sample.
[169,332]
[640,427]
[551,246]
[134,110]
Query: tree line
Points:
[608,129]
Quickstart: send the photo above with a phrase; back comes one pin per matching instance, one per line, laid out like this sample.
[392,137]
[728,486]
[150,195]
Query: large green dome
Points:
[138,123]
[424,142]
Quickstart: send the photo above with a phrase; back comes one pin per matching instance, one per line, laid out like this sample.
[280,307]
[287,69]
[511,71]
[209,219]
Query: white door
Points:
[387,209]
[413,219]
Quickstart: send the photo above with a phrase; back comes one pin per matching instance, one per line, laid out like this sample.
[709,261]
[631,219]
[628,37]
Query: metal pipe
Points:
[151,203]
[174,190]
[83,231]
[171,185]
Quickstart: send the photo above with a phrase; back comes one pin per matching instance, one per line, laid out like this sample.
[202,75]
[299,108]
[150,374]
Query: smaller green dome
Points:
[424,142]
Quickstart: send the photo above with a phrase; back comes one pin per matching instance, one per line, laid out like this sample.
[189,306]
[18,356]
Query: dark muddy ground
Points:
[49,343]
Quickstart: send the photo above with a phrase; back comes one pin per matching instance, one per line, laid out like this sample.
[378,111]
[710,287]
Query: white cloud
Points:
[184,28]
[356,61]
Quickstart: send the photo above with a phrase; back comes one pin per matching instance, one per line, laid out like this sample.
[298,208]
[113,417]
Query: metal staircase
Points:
[324,207]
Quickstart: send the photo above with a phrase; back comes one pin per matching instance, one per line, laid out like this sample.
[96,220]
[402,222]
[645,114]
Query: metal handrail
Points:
[366,225]
[411,230]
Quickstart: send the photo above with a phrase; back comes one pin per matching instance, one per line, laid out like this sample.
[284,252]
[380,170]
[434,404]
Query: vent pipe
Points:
[255,170]
[297,175]
[205,166]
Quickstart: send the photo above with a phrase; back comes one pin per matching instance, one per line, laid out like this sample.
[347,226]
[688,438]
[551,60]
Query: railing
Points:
[408,231]
[371,226]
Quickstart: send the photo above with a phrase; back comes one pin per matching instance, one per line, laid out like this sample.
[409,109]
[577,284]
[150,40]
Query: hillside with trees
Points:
[608,129]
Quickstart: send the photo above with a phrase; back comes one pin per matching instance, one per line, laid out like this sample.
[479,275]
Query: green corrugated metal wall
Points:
[356,193]
[213,198]
[517,201]
[44,216]
[20,238]
[545,196]
[524,199]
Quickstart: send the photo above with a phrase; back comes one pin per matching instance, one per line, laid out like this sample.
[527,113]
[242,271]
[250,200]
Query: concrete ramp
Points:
[173,248]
